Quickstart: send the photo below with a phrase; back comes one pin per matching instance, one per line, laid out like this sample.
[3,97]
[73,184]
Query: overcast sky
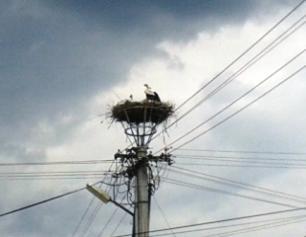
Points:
[64,63]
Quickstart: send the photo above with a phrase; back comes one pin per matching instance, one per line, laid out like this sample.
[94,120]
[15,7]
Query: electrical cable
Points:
[43,201]
[248,161]
[240,56]
[248,158]
[83,216]
[78,162]
[244,151]
[57,172]
[119,223]
[255,228]
[89,206]
[164,216]
[242,69]
[218,179]
[241,109]
[244,166]
[269,221]
[93,216]
[107,223]
[96,210]
[95,177]
[244,52]
[43,176]
[215,190]
[241,97]
[109,220]
[222,220]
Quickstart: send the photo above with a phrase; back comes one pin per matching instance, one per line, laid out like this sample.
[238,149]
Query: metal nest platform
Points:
[142,112]
[141,118]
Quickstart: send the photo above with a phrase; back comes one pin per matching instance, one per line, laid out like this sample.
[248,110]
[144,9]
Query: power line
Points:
[269,221]
[93,216]
[119,223]
[109,220]
[164,216]
[236,59]
[226,181]
[244,52]
[96,210]
[98,207]
[247,158]
[202,188]
[244,166]
[246,161]
[42,175]
[43,201]
[89,205]
[79,162]
[54,178]
[245,184]
[279,39]
[222,220]
[107,223]
[239,98]
[57,172]
[255,228]
[244,151]
[83,217]
[239,110]
[250,163]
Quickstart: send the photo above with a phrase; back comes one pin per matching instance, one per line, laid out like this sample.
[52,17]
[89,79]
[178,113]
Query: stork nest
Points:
[142,111]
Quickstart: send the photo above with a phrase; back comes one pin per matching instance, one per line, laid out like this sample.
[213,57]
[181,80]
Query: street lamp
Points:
[105,198]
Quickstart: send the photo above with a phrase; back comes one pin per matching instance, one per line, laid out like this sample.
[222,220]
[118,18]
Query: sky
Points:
[63,64]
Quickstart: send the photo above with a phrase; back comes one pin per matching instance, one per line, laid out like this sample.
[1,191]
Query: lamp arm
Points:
[122,207]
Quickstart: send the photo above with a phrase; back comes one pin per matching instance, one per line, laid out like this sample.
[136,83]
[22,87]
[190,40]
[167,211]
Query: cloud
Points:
[55,54]
[63,62]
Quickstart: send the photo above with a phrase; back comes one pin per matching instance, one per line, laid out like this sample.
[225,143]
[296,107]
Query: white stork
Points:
[151,95]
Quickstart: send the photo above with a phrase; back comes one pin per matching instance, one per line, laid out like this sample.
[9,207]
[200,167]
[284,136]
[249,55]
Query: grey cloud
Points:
[57,54]
[54,55]
[163,18]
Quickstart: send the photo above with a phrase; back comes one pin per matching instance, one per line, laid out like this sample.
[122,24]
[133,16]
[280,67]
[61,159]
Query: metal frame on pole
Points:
[139,168]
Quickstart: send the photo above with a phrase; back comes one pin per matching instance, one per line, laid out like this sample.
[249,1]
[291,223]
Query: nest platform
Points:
[142,111]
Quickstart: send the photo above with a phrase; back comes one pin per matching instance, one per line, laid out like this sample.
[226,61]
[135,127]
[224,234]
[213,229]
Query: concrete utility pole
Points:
[140,120]
[143,195]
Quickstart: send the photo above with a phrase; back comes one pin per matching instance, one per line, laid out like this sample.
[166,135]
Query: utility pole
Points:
[140,120]
[143,195]
[138,168]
